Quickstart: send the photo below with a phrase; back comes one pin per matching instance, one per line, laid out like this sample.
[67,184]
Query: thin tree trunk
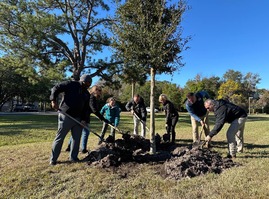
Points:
[152,112]
[133,88]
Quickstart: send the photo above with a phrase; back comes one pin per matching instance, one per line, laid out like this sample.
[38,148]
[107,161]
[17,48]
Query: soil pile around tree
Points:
[191,162]
[177,162]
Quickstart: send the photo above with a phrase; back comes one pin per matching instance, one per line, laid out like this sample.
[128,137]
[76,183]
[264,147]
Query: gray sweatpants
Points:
[65,124]
[235,135]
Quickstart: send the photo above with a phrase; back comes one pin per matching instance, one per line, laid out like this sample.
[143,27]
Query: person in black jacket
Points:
[225,111]
[171,117]
[75,104]
[95,93]
[138,109]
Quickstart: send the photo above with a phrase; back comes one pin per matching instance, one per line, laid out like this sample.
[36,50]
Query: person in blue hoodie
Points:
[112,114]
[198,113]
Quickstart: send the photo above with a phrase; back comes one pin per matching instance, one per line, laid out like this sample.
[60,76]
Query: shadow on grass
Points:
[257,118]
[10,133]
[263,154]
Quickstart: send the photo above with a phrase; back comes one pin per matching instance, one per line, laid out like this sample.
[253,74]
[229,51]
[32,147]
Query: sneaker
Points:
[74,160]
[84,151]
[231,156]
[53,163]
[240,151]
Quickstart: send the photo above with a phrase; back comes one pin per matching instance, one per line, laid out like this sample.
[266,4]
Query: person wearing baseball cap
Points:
[74,103]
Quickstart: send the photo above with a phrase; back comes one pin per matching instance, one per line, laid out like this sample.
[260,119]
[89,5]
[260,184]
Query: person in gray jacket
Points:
[226,112]
[74,104]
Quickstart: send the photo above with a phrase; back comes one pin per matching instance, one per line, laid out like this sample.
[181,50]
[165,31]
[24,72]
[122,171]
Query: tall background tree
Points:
[58,35]
[148,32]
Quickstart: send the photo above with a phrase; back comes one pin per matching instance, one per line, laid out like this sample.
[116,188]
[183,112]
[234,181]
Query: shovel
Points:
[141,121]
[75,120]
[198,143]
[116,128]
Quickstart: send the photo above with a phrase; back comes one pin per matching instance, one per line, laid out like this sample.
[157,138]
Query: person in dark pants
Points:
[75,104]
[138,108]
[171,115]
[226,112]
[196,109]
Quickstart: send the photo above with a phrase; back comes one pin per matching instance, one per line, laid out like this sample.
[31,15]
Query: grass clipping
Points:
[177,162]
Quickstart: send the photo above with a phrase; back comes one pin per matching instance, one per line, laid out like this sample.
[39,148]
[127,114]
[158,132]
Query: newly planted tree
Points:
[148,32]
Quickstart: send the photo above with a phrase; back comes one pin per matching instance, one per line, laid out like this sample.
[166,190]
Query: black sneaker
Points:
[231,156]
[74,160]
[53,163]
[84,151]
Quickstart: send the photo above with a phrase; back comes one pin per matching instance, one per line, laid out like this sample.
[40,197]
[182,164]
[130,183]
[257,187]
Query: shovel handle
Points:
[75,120]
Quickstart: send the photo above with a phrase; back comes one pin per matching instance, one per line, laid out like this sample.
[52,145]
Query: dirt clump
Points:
[128,149]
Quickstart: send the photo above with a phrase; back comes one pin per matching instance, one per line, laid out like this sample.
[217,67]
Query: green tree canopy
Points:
[64,35]
[148,32]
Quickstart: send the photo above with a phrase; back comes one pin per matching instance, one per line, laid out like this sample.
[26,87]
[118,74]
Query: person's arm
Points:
[103,110]
[129,106]
[143,111]
[94,108]
[220,121]
[117,117]
[55,91]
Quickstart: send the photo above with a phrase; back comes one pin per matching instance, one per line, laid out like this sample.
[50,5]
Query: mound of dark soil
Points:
[178,162]
[191,162]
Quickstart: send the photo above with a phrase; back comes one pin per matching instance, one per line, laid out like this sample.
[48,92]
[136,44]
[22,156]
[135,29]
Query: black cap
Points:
[85,78]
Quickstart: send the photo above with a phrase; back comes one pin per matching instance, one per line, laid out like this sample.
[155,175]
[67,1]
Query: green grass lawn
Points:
[25,145]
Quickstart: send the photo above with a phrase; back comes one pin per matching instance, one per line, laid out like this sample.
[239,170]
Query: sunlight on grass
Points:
[25,145]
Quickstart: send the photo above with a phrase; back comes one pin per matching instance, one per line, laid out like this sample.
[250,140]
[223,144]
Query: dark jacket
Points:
[225,112]
[139,108]
[74,100]
[197,109]
[94,108]
[170,111]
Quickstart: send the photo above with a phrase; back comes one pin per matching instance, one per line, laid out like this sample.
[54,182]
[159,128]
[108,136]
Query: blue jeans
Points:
[65,124]
[84,138]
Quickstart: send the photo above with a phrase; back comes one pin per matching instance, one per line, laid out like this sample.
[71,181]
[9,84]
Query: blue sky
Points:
[226,34]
